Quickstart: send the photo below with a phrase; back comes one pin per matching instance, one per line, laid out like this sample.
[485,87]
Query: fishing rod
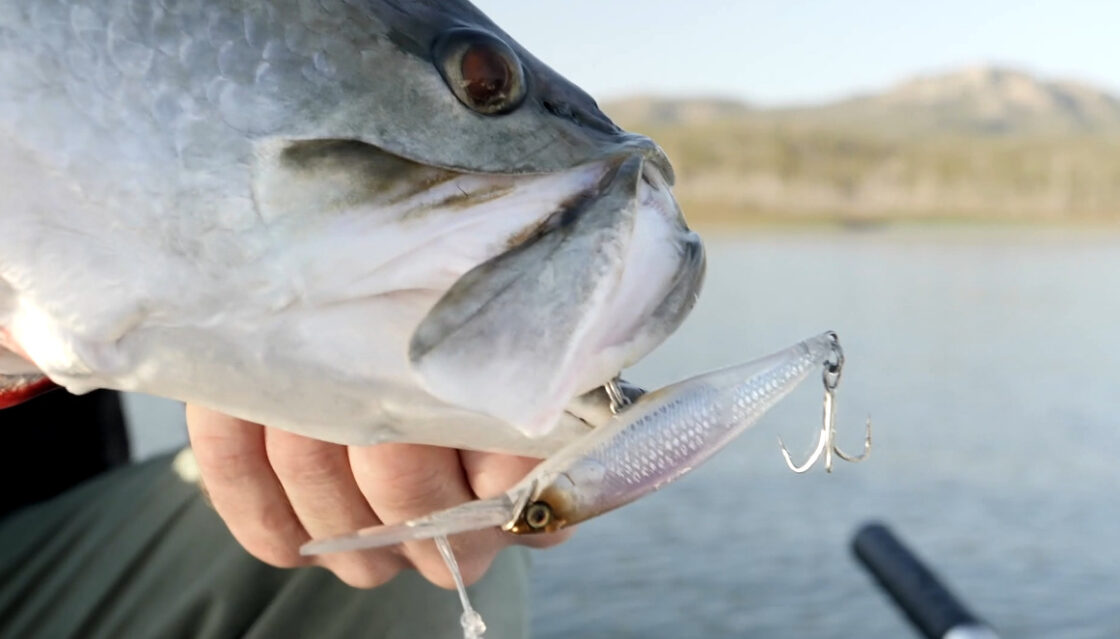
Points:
[927,603]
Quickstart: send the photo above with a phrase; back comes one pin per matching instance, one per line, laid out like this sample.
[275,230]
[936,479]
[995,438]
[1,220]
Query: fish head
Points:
[362,222]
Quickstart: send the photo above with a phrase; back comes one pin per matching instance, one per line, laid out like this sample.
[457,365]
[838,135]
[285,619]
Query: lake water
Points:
[990,362]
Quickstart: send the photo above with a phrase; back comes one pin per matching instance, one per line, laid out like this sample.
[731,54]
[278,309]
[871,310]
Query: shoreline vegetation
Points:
[979,146]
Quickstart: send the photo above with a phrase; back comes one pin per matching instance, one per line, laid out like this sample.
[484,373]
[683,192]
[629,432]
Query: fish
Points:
[361,221]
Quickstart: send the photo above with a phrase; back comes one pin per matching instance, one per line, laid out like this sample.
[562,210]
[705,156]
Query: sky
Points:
[772,52]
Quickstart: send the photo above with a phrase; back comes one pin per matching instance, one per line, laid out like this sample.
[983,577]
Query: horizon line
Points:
[833,97]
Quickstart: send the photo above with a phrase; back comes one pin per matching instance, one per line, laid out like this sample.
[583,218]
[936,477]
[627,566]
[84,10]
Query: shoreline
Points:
[840,225]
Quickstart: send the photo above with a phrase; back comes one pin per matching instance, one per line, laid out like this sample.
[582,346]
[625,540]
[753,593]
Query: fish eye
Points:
[538,515]
[483,72]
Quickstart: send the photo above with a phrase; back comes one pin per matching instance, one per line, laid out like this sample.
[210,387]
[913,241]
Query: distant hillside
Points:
[652,109]
[981,143]
[980,100]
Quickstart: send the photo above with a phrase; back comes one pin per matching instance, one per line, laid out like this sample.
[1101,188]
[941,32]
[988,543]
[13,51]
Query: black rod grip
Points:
[930,606]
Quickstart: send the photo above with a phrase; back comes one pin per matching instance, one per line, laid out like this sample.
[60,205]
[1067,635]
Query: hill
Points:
[980,143]
[651,109]
[980,100]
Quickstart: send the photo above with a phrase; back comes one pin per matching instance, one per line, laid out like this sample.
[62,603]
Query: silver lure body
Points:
[280,210]
[667,433]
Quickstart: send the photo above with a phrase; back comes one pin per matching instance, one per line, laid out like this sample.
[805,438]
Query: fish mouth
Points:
[603,281]
[542,286]
[512,293]
[462,218]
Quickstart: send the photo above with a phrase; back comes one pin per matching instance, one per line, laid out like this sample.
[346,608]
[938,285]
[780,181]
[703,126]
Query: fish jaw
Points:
[521,335]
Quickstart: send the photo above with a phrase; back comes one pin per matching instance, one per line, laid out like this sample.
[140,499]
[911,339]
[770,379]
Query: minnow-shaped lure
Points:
[660,437]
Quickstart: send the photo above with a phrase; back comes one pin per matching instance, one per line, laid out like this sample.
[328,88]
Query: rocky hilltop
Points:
[982,143]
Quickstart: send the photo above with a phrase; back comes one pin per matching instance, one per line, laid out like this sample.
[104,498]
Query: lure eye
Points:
[482,71]
[538,515]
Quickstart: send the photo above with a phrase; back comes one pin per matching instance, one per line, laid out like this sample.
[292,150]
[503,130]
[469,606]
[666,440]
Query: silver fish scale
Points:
[166,97]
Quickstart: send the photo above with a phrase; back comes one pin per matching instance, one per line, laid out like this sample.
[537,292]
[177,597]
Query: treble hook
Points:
[826,440]
[618,399]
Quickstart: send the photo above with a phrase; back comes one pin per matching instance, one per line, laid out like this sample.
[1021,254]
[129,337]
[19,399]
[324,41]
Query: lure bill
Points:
[474,515]
[660,437]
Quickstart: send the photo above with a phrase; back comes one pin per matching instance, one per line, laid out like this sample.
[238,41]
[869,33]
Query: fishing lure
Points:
[658,438]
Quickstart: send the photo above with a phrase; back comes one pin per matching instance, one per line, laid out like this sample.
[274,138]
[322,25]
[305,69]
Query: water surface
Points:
[990,361]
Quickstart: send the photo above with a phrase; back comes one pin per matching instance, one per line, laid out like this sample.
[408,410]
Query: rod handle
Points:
[929,605]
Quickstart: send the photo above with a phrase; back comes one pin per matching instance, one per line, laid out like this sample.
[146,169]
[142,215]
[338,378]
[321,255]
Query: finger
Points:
[320,486]
[405,481]
[491,474]
[242,487]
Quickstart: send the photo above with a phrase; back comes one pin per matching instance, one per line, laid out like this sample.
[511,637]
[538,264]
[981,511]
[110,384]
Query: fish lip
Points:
[628,145]
[651,152]
[573,206]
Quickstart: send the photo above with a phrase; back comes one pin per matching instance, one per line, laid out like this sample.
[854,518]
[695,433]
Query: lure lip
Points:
[470,516]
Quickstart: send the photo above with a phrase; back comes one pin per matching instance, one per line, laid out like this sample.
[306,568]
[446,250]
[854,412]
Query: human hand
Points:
[276,490]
